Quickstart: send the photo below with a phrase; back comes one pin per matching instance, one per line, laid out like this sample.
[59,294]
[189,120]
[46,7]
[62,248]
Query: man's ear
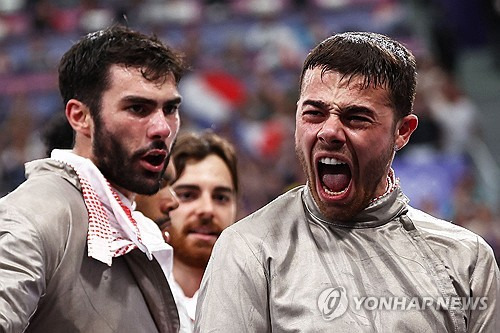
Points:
[78,115]
[404,129]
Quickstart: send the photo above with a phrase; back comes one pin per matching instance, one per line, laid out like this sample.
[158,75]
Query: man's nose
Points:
[206,207]
[159,127]
[332,131]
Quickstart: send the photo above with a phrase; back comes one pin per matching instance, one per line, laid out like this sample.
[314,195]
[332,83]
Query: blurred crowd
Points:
[246,57]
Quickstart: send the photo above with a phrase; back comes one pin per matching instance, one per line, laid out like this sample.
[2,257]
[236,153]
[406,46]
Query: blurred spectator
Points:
[192,44]
[471,212]
[57,133]
[276,45]
[456,25]
[235,57]
[456,114]
[95,16]
[429,134]
[438,155]
[259,7]
[42,12]
[441,175]
[39,57]
[491,13]
[173,12]
[21,143]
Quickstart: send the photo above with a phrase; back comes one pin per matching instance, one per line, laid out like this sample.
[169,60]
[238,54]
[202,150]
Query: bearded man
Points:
[75,255]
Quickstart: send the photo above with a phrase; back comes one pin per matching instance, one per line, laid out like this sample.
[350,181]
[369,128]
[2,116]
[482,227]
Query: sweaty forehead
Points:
[332,85]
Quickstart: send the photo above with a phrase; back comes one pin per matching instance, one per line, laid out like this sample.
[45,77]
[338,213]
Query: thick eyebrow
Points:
[173,101]
[224,189]
[197,188]
[316,103]
[186,187]
[350,108]
[150,102]
[359,109]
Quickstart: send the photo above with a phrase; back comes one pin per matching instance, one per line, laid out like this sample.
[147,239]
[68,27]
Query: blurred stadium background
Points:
[246,57]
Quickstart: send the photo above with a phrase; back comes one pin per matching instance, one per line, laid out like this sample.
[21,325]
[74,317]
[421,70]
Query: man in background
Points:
[206,187]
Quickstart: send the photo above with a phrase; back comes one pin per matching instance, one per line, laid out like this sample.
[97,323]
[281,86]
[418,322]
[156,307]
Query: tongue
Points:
[336,182]
[335,178]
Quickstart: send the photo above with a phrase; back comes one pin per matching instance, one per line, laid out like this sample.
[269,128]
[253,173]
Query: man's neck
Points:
[188,277]
[129,195]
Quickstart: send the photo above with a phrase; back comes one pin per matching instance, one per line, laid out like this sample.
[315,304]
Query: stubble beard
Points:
[193,253]
[190,253]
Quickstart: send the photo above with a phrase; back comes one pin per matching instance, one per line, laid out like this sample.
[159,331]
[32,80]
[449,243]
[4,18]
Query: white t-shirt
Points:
[186,306]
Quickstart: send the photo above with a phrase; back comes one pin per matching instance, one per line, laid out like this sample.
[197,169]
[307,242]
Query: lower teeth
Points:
[334,193]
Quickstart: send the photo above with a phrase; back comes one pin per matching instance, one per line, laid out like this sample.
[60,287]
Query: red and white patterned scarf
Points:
[114,227]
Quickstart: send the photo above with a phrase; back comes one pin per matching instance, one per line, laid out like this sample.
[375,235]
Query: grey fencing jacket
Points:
[286,268]
[47,281]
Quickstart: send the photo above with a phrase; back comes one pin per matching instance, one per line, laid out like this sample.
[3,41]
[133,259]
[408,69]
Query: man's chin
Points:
[146,185]
[198,261]
[334,212]
[147,190]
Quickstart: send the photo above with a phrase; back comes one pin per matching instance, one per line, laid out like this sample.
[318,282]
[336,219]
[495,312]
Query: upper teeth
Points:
[329,160]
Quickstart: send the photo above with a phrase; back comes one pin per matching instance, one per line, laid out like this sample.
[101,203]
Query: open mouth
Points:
[154,160]
[334,175]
